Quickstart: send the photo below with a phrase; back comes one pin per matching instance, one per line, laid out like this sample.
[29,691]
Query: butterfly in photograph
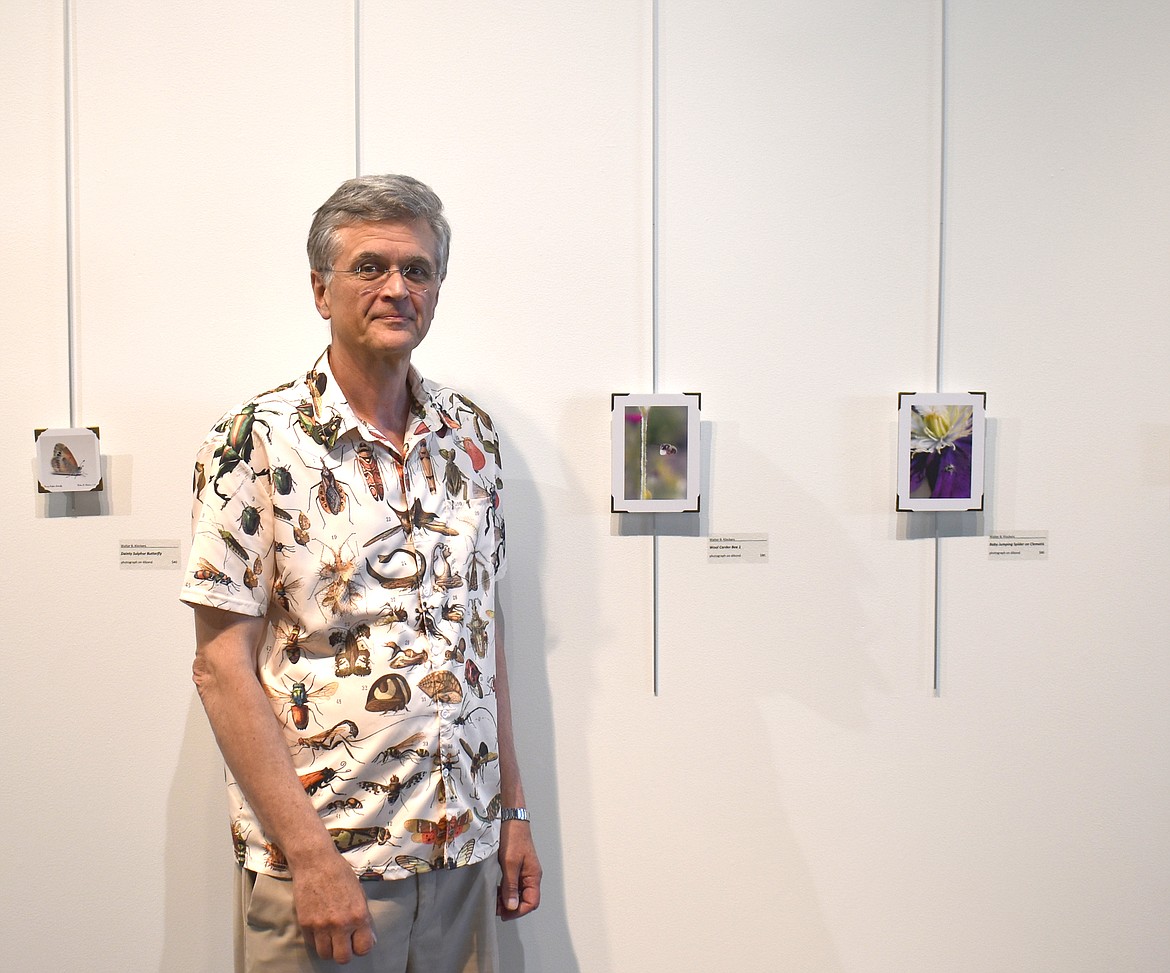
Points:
[63,462]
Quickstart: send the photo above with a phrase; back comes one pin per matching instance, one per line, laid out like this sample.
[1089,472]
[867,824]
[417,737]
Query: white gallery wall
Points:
[796,797]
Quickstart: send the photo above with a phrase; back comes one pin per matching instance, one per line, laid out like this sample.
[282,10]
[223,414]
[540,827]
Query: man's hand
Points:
[519,891]
[331,909]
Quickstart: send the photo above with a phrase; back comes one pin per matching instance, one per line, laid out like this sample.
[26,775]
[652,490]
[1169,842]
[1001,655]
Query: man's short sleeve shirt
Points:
[376,573]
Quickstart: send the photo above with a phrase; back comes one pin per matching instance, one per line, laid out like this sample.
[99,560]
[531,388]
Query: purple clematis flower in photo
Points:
[940,452]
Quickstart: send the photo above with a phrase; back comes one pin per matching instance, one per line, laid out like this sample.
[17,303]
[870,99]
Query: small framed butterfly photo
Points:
[655,444]
[68,460]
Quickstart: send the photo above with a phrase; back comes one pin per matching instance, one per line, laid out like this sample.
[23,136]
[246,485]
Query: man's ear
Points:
[320,293]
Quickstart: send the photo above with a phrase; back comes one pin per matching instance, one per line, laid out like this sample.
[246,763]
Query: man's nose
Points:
[394,284]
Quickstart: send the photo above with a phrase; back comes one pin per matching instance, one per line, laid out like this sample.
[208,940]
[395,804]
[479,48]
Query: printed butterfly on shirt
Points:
[441,832]
[412,863]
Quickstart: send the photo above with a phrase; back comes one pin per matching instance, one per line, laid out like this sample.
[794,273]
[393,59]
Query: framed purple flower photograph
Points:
[655,448]
[941,441]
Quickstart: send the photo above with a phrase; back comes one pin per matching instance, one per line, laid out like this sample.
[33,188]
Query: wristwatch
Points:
[514,814]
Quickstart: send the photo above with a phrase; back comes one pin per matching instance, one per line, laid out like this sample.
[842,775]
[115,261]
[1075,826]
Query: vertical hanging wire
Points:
[357,87]
[938,366]
[654,196]
[654,272]
[70,294]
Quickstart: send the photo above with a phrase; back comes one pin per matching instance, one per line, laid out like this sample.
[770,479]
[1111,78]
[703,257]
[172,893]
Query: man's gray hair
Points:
[377,199]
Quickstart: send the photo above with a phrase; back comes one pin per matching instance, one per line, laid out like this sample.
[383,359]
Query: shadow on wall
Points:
[808,663]
[113,498]
[198,860]
[541,942]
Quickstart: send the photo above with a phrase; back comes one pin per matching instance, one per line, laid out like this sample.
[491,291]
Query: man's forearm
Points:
[330,904]
[249,736]
[511,784]
[519,891]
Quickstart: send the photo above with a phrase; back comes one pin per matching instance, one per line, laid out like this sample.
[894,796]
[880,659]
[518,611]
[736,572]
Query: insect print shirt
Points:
[376,573]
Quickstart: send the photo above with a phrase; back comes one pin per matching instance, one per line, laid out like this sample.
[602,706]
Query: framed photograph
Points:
[941,440]
[655,453]
[68,460]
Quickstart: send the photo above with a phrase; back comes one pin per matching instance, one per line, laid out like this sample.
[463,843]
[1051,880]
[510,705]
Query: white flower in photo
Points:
[938,427]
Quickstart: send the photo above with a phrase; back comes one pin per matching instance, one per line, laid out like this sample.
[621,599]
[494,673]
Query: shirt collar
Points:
[426,415]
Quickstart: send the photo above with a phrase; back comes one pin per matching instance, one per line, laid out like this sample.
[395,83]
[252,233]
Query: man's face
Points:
[384,319]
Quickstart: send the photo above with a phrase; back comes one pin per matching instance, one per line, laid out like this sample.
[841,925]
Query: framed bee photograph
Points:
[655,442]
[68,460]
[941,446]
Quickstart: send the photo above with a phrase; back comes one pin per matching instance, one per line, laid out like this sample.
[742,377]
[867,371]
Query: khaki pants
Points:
[438,922]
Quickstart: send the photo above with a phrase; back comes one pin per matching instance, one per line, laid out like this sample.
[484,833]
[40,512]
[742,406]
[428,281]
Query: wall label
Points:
[752,548]
[148,555]
[1018,545]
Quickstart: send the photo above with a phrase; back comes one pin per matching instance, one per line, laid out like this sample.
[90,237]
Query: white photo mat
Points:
[942,441]
[655,453]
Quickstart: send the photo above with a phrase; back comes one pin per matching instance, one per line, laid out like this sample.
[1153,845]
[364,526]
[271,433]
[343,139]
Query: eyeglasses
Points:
[416,277]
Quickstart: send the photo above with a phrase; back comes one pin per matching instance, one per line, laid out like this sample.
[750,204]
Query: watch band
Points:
[515,814]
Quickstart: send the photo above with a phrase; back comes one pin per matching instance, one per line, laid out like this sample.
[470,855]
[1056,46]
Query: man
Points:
[348,545]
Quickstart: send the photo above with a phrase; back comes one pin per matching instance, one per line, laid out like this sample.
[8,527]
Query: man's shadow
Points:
[544,935]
